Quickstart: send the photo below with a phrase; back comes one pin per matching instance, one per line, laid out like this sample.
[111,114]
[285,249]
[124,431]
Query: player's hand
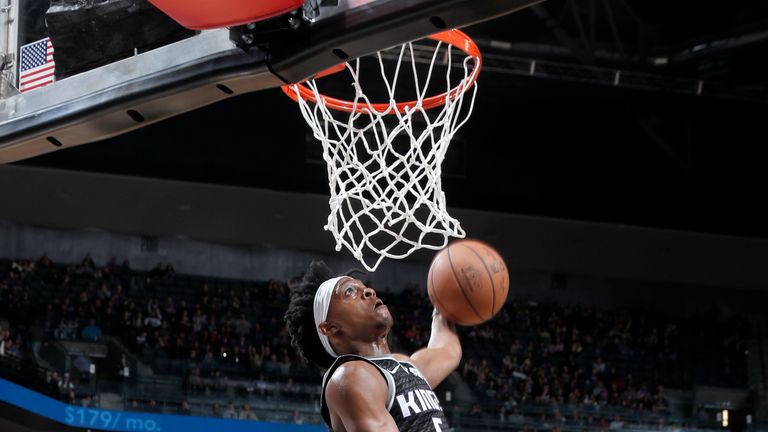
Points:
[440,320]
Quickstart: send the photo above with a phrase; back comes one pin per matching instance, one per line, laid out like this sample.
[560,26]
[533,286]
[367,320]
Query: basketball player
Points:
[340,325]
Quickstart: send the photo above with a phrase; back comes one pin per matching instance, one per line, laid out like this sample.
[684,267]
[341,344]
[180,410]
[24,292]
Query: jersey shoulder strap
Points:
[345,359]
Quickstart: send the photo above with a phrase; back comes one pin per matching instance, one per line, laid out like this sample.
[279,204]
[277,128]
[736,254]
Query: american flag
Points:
[37,66]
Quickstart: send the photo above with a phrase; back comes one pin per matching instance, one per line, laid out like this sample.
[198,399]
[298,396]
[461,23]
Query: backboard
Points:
[178,69]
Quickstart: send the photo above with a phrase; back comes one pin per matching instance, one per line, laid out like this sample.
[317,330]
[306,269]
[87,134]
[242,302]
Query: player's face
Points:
[357,310]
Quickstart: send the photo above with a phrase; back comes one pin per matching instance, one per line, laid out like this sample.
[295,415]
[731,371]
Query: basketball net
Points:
[384,176]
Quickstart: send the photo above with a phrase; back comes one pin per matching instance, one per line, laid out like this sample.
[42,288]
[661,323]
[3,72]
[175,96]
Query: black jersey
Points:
[410,401]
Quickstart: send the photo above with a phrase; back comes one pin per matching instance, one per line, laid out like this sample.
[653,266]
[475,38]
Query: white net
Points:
[384,161]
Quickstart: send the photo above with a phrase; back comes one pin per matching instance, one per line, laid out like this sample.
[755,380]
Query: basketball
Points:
[468,282]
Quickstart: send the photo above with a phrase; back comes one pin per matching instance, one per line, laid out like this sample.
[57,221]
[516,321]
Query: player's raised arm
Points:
[442,354]
[356,395]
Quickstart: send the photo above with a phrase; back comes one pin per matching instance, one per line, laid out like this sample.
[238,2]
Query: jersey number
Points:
[437,422]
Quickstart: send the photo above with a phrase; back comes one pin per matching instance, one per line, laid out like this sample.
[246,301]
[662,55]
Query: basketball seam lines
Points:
[461,288]
[490,276]
[437,299]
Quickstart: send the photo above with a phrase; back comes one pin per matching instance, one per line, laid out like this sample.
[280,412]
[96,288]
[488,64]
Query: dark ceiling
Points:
[553,145]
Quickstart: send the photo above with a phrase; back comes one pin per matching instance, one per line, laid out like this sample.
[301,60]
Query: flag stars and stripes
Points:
[36,66]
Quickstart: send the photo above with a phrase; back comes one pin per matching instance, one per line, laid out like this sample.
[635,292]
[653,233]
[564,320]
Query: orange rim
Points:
[455,38]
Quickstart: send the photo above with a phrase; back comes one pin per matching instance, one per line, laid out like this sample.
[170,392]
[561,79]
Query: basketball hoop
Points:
[384,159]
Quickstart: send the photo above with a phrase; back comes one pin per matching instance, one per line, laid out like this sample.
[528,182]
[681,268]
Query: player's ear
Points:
[327,328]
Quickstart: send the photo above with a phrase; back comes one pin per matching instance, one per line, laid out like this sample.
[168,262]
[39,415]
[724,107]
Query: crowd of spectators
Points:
[575,365]
[10,344]
[220,336]
[564,363]
[586,356]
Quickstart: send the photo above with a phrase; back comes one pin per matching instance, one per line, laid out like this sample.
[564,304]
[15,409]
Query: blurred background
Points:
[614,158]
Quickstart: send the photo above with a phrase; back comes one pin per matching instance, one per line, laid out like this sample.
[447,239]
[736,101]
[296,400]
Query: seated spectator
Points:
[87,264]
[92,332]
[124,368]
[544,422]
[237,357]
[154,318]
[141,339]
[475,412]
[134,406]
[37,336]
[558,419]
[104,292]
[152,407]
[216,410]
[616,423]
[169,308]
[220,381]
[70,398]
[502,414]
[66,385]
[230,412]
[247,414]
[516,417]
[82,364]
[184,408]
[208,360]
[254,358]
[297,418]
[67,329]
[243,326]
[195,381]
[52,381]
[272,366]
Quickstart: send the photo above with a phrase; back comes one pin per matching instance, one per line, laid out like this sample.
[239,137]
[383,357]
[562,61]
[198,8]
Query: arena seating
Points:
[220,347]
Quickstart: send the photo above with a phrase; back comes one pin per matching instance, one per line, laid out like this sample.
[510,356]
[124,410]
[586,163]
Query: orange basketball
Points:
[468,282]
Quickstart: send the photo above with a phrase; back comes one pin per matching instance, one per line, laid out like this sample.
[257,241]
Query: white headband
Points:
[322,304]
